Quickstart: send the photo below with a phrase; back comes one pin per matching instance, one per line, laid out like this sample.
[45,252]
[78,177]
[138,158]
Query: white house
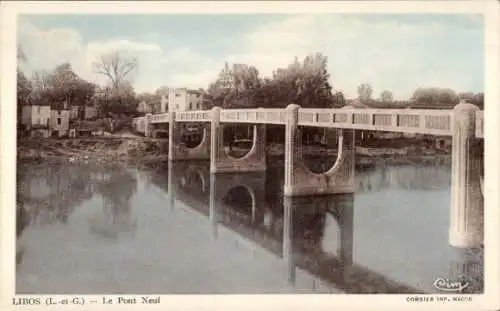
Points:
[45,121]
[182,99]
[35,119]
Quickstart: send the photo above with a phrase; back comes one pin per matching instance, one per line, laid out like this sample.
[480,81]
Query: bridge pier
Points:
[177,150]
[466,212]
[222,162]
[147,125]
[299,180]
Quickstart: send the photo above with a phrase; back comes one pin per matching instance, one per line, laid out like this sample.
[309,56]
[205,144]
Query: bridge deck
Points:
[431,122]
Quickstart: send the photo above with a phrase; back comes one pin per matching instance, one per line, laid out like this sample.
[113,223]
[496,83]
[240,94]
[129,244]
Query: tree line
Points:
[306,83]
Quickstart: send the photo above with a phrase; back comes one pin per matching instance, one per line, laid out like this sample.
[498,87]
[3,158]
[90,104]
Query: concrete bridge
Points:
[292,230]
[464,124]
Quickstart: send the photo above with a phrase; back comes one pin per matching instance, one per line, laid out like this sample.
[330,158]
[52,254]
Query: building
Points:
[153,106]
[182,99]
[59,122]
[89,112]
[36,120]
[44,121]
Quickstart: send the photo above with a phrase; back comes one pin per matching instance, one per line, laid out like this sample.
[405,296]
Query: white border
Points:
[491,11]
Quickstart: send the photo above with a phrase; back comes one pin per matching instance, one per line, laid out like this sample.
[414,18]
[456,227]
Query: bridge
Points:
[464,124]
[291,233]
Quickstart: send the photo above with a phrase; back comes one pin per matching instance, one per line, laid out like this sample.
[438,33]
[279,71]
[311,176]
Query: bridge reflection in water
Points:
[312,234]
[370,242]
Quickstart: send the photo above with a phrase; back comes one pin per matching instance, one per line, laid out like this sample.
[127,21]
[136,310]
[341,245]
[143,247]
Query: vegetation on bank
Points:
[144,150]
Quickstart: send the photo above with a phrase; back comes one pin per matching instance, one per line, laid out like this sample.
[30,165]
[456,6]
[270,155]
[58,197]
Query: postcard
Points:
[239,155]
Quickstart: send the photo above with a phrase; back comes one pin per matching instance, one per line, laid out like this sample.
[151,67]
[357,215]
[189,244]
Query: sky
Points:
[398,52]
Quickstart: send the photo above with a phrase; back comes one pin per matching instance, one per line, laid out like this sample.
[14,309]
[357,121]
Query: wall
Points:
[63,116]
[26,115]
[40,115]
[164,104]
[177,99]
[195,100]
[73,114]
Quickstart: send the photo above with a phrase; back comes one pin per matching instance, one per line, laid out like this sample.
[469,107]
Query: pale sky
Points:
[398,53]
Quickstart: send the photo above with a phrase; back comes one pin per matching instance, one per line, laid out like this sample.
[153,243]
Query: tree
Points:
[386,97]
[467,96]
[365,92]
[112,102]
[477,99]
[435,97]
[120,96]
[313,87]
[115,67]
[338,100]
[24,86]
[62,87]
[162,91]
[236,85]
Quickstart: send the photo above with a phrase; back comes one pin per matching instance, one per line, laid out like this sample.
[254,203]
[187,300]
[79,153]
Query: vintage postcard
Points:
[240,155]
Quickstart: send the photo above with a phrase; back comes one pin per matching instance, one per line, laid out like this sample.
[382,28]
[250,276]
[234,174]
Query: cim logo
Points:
[450,286]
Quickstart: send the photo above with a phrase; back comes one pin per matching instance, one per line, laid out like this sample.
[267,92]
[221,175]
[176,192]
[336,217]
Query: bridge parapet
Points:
[259,115]
[479,124]
[438,122]
[194,116]
[159,118]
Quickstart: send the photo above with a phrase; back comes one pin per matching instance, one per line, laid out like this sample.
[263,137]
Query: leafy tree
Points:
[24,86]
[478,100]
[435,96]
[338,100]
[235,86]
[114,102]
[365,92]
[62,86]
[162,91]
[386,97]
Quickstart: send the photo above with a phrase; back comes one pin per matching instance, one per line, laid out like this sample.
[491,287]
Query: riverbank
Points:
[145,150]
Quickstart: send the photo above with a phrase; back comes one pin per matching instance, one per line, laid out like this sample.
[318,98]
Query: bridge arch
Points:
[178,150]
[221,162]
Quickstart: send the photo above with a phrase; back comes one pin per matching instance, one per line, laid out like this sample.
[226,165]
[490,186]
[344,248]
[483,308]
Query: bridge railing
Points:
[259,115]
[480,124]
[193,116]
[432,122]
[159,118]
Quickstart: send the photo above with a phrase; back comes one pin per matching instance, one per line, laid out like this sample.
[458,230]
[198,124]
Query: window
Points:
[190,106]
[58,121]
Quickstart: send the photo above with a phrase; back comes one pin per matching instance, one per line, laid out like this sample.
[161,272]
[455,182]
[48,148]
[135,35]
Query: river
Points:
[88,229]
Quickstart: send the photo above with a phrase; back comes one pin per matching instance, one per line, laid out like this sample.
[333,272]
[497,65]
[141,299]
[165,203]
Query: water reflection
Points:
[116,187]
[352,243]
[48,195]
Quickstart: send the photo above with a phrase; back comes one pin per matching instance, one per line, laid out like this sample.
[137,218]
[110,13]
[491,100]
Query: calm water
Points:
[91,229]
